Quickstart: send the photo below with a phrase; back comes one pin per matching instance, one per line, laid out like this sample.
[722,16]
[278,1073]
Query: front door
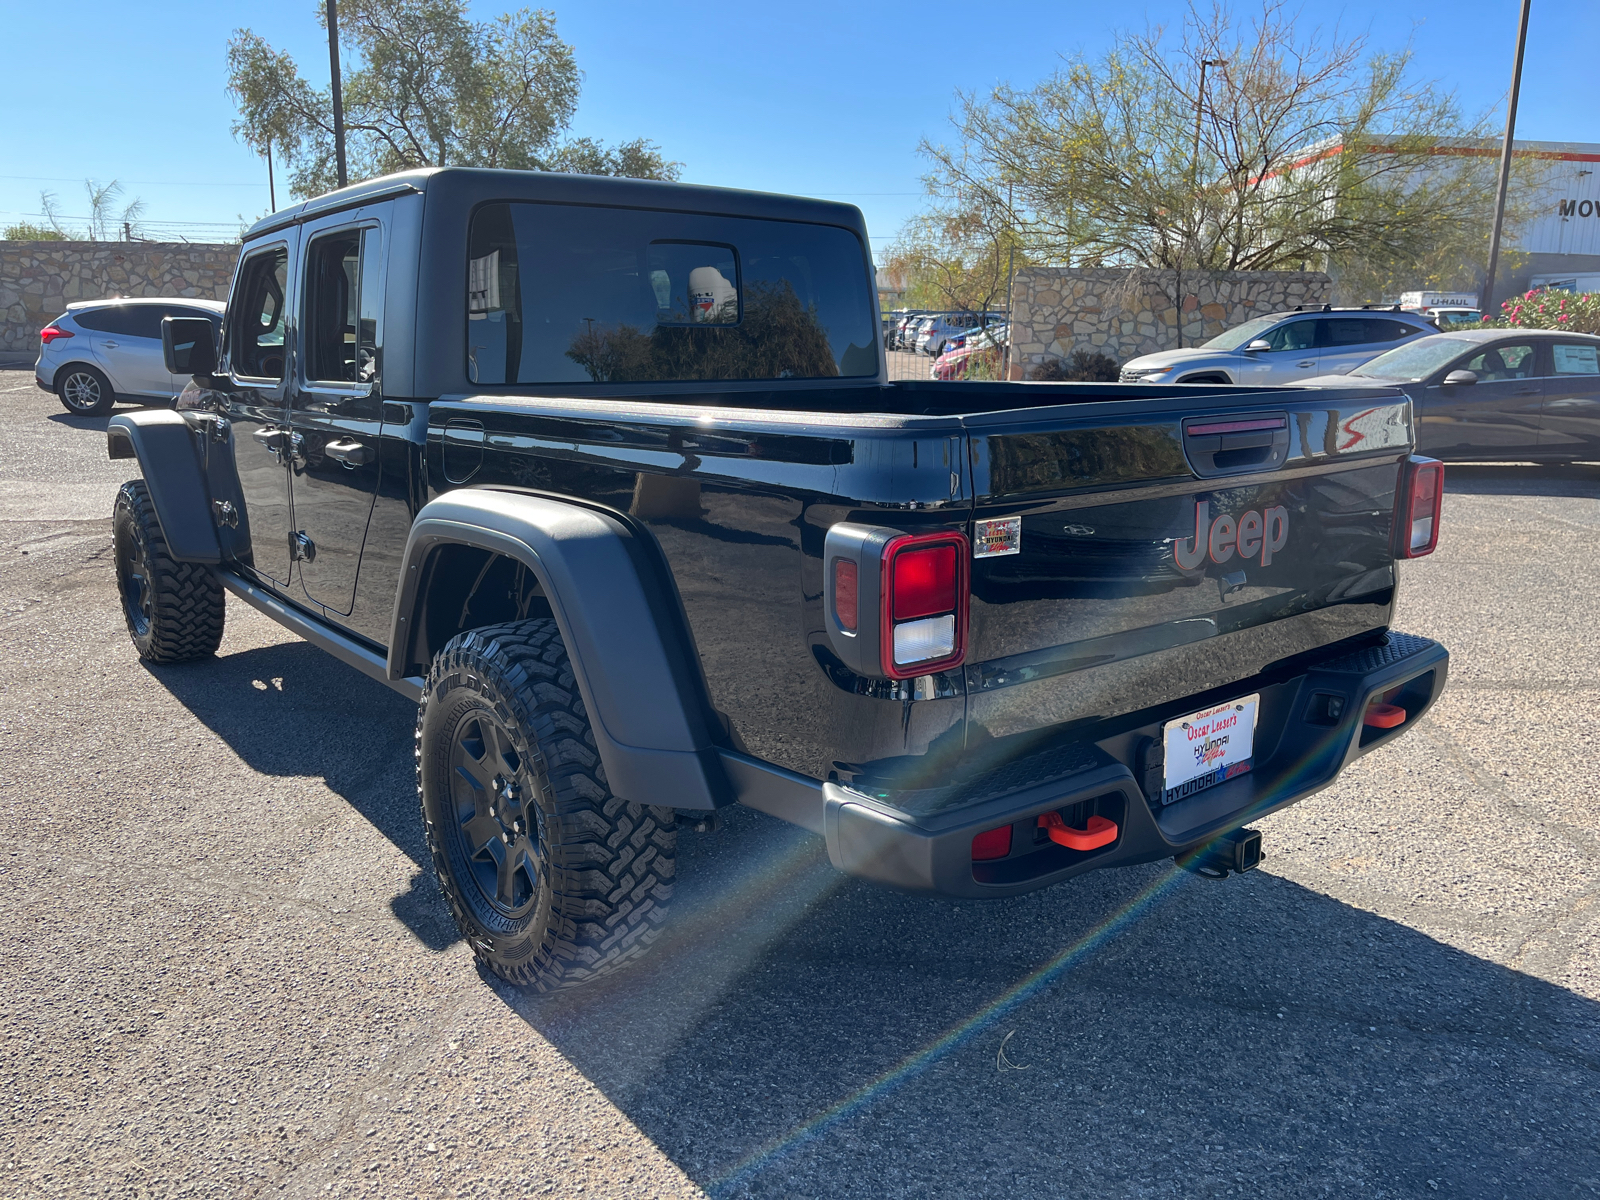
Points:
[1571,415]
[257,410]
[336,405]
[1496,417]
[1293,354]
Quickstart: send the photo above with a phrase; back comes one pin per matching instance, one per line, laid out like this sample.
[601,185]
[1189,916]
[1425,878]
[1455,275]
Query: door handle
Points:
[1310,362]
[351,453]
[109,345]
[272,439]
[1526,392]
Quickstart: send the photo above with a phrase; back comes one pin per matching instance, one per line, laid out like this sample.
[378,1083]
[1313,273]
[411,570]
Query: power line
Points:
[131,182]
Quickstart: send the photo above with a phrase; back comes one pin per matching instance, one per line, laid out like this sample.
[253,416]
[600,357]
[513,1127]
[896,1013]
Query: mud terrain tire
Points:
[552,880]
[174,610]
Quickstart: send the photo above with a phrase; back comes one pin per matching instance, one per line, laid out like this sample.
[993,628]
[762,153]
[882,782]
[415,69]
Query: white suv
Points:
[1284,347]
[101,351]
[937,332]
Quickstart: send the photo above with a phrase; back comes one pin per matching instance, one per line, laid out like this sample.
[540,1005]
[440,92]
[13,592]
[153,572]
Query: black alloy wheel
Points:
[498,830]
[552,879]
[84,391]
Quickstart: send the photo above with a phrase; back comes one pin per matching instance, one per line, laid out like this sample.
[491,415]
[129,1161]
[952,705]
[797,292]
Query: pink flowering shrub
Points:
[1553,310]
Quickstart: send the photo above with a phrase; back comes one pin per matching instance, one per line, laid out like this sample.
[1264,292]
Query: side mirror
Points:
[189,345]
[1257,346]
[1461,377]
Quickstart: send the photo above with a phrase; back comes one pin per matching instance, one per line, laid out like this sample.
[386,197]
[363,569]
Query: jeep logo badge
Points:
[1254,533]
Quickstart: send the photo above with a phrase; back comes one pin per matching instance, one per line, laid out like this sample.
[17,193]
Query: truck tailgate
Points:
[1167,548]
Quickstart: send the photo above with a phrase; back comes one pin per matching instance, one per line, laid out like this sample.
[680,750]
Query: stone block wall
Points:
[39,279]
[1123,313]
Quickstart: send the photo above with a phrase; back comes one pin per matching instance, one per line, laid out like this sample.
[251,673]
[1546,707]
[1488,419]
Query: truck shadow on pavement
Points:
[799,1033]
[1578,481]
[286,710]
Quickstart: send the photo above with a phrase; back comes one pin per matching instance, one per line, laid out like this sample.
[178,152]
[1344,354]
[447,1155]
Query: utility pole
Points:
[1011,281]
[1505,163]
[338,94]
[1194,171]
[272,189]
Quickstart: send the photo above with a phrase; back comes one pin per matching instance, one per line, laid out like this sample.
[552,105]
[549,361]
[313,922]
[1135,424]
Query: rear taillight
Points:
[924,603]
[51,332]
[897,602]
[1421,493]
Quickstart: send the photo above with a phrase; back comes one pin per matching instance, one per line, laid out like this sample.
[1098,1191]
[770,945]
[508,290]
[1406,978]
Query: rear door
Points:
[1347,342]
[1570,419]
[127,345]
[336,401]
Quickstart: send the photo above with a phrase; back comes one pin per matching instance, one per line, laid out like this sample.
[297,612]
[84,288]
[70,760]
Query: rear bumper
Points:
[1310,727]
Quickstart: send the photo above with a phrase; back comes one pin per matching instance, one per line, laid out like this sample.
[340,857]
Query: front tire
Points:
[174,610]
[84,391]
[552,880]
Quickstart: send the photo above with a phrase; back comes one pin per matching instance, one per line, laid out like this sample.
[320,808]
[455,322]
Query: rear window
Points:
[561,294]
[127,320]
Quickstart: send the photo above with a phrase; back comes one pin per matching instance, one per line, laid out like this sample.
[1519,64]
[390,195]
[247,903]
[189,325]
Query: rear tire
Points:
[552,880]
[174,611]
[84,391]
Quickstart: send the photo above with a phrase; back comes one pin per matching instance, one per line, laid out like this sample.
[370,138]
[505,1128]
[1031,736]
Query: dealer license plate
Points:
[1207,747]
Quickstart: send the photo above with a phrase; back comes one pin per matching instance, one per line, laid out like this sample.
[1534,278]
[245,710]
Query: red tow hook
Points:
[1100,832]
[1384,716]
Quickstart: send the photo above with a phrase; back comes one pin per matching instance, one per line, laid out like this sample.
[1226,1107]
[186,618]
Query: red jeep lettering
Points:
[1266,532]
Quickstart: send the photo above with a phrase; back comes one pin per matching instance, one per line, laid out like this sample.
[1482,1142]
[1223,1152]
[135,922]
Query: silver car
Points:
[102,351]
[1284,348]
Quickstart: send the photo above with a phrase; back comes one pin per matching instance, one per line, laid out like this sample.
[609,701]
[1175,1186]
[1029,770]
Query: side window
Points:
[144,320]
[1360,330]
[1296,335]
[256,317]
[340,324]
[1513,361]
[101,320]
[1576,359]
[123,320]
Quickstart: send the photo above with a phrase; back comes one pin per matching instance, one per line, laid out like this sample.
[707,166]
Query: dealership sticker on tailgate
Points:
[1209,746]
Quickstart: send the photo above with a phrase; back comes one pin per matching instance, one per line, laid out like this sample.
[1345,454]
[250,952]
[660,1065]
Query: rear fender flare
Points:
[646,705]
[164,445]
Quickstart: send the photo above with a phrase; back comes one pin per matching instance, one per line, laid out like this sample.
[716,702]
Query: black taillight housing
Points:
[896,604]
[1417,507]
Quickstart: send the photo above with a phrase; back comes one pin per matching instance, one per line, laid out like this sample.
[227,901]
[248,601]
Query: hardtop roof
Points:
[480,184]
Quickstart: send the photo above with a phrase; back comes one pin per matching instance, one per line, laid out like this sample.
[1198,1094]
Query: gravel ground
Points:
[227,971]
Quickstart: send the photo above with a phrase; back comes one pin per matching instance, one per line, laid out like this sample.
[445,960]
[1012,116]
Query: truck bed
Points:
[1095,619]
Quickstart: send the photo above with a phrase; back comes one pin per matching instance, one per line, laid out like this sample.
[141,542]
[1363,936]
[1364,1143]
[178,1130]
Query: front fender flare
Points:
[164,445]
[645,704]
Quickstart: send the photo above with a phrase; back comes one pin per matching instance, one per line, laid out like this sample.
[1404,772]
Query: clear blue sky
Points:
[822,98]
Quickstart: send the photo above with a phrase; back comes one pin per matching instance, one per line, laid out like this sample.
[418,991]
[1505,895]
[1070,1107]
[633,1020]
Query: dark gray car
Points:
[1490,394]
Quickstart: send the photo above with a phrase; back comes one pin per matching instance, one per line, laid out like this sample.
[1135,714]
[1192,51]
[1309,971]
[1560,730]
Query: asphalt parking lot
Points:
[227,971]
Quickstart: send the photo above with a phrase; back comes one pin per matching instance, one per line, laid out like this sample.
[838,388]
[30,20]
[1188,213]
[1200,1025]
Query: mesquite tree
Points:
[427,86]
[1313,152]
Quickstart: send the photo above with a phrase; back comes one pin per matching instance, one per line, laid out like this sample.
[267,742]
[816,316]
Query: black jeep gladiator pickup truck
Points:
[607,475]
